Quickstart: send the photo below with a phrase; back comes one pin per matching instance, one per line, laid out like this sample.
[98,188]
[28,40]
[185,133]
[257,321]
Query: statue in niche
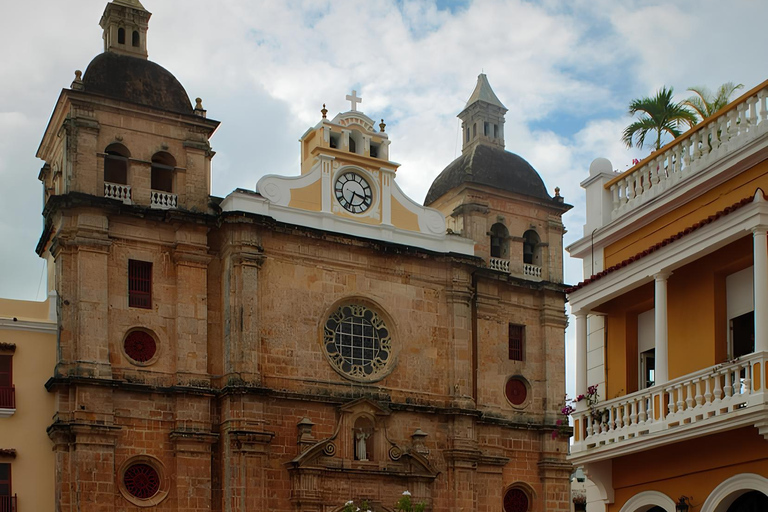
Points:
[361,445]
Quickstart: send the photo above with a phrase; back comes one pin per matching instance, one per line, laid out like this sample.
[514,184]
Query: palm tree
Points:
[706,104]
[658,113]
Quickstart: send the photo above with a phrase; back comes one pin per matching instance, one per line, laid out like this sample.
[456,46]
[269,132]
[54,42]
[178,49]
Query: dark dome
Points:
[136,80]
[491,166]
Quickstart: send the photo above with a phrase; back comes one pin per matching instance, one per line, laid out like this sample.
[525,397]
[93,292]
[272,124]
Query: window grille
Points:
[139,284]
[516,342]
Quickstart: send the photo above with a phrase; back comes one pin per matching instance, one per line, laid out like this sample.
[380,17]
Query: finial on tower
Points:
[382,126]
[77,83]
[324,111]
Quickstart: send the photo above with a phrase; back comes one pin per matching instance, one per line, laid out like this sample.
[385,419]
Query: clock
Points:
[353,192]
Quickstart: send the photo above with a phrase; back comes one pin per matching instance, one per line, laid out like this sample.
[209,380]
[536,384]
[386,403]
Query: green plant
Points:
[404,504]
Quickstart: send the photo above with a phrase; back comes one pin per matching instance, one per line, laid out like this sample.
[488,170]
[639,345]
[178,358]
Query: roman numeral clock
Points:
[353,192]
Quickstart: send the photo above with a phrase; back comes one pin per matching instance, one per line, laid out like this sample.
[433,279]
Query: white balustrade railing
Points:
[704,145]
[118,191]
[163,200]
[708,396]
[531,270]
[499,264]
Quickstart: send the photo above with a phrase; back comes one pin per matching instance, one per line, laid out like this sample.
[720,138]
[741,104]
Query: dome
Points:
[135,80]
[491,166]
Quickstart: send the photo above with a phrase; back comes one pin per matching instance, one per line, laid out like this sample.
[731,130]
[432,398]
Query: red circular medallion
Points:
[516,391]
[515,501]
[140,346]
[141,481]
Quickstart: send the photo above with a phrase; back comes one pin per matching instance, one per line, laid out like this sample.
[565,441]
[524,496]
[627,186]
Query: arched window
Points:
[531,248]
[499,241]
[121,35]
[116,164]
[135,39]
[362,437]
[163,165]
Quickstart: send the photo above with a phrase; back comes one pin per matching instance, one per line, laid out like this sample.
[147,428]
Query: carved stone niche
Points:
[360,448]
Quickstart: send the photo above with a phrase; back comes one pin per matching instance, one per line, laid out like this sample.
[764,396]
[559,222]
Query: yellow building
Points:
[672,324]
[27,358]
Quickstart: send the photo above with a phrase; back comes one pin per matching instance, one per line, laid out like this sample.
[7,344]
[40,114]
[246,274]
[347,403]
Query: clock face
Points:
[353,192]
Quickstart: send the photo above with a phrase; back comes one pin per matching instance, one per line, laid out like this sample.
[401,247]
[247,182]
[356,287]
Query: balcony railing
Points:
[531,270]
[163,200]
[8,503]
[118,191]
[499,264]
[707,143]
[716,395]
[7,397]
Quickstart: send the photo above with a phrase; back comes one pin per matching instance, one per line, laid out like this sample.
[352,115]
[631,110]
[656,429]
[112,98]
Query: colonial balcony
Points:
[8,504]
[117,191]
[163,200]
[698,150]
[7,402]
[715,399]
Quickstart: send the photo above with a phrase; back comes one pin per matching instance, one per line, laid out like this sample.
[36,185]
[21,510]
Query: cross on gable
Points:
[354,99]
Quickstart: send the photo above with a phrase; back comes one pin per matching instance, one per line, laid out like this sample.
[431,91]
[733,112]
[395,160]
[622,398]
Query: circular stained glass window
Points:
[140,346]
[516,391]
[515,501]
[357,342]
[141,481]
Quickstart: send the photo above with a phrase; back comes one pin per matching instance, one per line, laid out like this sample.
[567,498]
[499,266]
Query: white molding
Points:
[646,500]
[690,247]
[727,492]
[28,325]
[6,413]
[239,201]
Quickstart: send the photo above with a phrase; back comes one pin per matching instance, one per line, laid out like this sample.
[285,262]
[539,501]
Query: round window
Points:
[140,346]
[516,391]
[515,500]
[357,342]
[141,481]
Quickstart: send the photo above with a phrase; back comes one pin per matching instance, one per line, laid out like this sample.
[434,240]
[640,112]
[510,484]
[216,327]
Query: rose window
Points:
[515,501]
[357,342]
[140,346]
[516,391]
[141,481]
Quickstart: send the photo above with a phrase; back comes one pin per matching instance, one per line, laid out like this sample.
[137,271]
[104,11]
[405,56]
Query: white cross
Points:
[354,99]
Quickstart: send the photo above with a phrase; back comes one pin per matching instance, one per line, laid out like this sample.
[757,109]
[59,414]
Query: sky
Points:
[566,70]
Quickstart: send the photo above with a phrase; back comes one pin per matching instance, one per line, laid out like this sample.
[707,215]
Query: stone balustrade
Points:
[118,191]
[499,264]
[531,270]
[698,149]
[163,200]
[704,399]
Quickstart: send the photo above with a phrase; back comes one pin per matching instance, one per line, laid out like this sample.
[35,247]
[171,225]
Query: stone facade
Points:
[231,398]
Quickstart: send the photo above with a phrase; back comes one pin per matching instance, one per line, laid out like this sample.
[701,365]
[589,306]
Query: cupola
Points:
[482,120]
[125,24]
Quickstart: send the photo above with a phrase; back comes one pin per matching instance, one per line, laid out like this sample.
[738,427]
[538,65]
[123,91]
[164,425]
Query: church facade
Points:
[323,338]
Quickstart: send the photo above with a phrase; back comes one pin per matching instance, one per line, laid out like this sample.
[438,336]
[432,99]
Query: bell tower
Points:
[482,120]
[125,24]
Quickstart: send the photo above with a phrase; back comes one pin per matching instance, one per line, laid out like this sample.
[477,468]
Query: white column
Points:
[581,353]
[761,287]
[660,317]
